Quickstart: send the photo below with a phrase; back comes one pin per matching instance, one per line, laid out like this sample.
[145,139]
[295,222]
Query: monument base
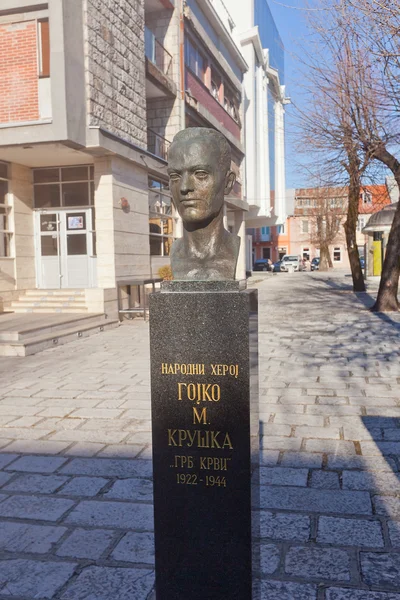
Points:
[204,381]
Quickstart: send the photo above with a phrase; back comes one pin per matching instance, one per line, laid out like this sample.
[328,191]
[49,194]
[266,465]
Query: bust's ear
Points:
[229,182]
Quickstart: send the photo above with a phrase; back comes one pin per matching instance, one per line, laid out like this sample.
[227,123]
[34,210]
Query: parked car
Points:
[291,261]
[315,264]
[262,264]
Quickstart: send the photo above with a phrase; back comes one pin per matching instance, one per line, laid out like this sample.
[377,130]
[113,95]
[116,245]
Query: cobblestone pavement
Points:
[75,470]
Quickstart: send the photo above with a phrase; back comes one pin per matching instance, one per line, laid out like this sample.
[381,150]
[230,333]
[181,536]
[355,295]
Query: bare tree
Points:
[356,77]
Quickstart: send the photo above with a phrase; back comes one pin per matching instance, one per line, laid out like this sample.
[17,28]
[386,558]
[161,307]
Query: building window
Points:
[216,83]
[366,197]
[304,226]
[44,48]
[306,253]
[162,222]
[337,254]
[361,223]
[195,60]
[281,229]
[5,214]
[63,187]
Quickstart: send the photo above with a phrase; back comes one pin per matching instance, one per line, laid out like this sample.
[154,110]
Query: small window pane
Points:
[3,170]
[92,173]
[4,218]
[74,174]
[94,242]
[48,222]
[47,196]
[3,192]
[76,221]
[76,244]
[155,245]
[75,194]
[49,244]
[46,175]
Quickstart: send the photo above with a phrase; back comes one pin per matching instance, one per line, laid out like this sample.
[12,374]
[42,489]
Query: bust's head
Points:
[199,169]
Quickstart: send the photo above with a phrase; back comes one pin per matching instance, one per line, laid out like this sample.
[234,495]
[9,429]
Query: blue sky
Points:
[290,20]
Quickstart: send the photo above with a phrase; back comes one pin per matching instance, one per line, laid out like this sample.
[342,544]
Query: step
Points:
[42,309]
[68,322]
[38,343]
[50,298]
[60,292]
[48,304]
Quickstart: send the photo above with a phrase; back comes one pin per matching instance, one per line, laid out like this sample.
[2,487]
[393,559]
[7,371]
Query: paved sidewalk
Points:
[75,471]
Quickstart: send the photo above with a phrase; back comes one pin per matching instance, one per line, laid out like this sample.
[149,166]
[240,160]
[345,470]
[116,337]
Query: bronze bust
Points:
[200,175]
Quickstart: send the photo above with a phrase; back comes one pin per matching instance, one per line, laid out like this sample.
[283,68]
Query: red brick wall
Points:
[18,72]
[203,96]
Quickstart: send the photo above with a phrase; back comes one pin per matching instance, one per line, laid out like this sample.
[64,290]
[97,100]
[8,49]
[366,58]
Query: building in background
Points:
[91,96]
[255,32]
[315,209]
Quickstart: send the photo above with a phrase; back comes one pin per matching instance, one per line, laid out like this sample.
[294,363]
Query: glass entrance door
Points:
[65,249]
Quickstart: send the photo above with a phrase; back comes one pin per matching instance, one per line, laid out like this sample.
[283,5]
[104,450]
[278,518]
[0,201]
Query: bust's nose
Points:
[186,185]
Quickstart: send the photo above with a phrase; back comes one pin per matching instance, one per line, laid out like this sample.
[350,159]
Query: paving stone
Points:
[6,459]
[380,569]
[310,500]
[274,590]
[318,432]
[108,467]
[394,533]
[317,563]
[283,476]
[103,583]
[381,482]
[4,478]
[302,459]
[86,543]
[21,537]
[280,443]
[269,558]
[131,489]
[83,486]
[37,464]
[42,484]
[347,594]
[121,515]
[387,505]
[299,419]
[284,526]
[350,532]
[135,548]
[327,480]
[33,579]
[370,463]
[330,446]
[379,448]
[99,435]
[84,449]
[34,507]
[121,451]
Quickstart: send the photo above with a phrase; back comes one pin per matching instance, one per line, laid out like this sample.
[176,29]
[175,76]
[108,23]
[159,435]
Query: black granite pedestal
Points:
[202,424]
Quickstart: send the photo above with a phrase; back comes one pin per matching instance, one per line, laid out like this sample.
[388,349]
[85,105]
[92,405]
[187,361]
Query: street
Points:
[75,458]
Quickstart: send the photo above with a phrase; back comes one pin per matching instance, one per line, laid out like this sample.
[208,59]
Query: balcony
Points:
[157,145]
[157,54]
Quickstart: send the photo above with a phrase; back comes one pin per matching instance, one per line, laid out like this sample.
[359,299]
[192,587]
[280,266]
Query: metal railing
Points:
[157,54]
[157,145]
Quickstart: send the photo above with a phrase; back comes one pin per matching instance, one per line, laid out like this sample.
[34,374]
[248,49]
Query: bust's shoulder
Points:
[176,248]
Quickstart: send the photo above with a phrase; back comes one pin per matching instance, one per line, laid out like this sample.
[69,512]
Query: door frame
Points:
[62,231]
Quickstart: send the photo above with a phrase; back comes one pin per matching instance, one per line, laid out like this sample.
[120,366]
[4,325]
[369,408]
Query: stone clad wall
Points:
[115,67]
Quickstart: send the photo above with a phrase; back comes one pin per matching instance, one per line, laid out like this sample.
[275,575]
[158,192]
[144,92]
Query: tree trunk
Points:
[387,300]
[324,258]
[350,228]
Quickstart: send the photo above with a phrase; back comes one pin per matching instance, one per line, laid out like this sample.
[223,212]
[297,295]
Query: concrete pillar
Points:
[240,230]
[279,160]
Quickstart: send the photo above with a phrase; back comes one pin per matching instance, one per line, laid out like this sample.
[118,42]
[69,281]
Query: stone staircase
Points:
[51,301]
[42,319]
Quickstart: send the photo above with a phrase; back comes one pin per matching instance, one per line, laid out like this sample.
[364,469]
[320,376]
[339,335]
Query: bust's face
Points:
[197,183]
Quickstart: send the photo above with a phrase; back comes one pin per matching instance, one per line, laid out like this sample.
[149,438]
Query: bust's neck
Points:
[206,240]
